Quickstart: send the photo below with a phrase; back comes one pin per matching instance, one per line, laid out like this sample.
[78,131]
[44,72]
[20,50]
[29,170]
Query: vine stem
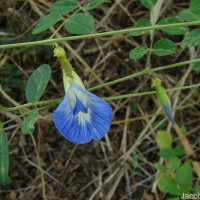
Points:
[50,102]
[95,35]
[30,111]
[56,101]
[152,115]
[149,92]
[143,72]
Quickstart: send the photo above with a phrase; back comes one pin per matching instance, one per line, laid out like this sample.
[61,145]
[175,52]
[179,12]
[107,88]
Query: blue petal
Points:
[79,107]
[93,127]
[167,110]
[101,115]
[67,124]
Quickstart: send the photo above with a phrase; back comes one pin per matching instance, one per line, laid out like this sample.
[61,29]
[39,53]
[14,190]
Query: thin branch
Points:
[96,35]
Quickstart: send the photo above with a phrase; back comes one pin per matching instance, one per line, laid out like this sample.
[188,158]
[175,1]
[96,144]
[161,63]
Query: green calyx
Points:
[60,53]
[156,82]
[161,94]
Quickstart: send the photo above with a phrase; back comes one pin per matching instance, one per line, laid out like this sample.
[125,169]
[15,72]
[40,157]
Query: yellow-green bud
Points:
[60,53]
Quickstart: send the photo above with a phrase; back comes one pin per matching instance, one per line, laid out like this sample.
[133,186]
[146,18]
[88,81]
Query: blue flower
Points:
[81,116]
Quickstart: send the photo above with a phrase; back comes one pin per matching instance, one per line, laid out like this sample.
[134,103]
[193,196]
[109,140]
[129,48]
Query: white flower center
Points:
[83,117]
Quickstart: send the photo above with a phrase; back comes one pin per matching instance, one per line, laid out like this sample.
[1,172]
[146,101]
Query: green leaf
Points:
[166,153]
[4,158]
[196,66]
[184,175]
[174,163]
[37,83]
[46,22]
[173,199]
[28,123]
[139,24]
[148,3]
[191,39]
[167,184]
[64,7]
[80,23]
[94,3]
[164,139]
[138,52]
[173,30]
[178,150]
[188,16]
[195,6]
[164,47]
